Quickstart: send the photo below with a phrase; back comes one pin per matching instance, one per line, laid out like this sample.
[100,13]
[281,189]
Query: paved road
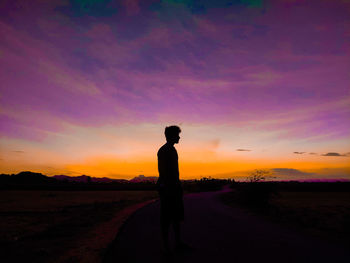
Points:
[219,234]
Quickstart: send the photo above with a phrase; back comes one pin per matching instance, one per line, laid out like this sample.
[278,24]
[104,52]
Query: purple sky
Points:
[262,67]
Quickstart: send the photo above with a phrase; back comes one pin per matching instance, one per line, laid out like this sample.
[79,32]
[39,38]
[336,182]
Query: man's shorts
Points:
[171,205]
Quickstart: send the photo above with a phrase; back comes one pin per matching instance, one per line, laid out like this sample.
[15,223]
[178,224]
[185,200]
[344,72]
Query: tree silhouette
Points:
[258,175]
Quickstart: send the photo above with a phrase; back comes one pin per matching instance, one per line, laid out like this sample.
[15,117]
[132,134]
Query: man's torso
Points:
[168,167]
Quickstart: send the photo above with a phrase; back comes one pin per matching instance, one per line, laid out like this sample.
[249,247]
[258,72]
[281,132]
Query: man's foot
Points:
[166,250]
[182,246]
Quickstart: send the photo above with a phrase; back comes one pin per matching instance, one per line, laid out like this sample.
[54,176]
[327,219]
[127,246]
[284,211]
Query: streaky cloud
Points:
[335,154]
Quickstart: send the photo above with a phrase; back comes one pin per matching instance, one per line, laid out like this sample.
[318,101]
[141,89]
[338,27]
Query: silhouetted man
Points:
[170,189]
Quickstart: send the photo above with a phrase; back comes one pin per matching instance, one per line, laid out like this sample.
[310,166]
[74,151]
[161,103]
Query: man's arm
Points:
[162,165]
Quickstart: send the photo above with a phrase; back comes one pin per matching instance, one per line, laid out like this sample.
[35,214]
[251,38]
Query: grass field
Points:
[321,214]
[37,225]
[324,214]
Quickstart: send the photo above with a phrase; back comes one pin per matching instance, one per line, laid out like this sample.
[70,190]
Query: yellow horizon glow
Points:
[130,150]
[127,169]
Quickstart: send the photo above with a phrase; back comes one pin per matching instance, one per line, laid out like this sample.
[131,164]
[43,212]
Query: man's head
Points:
[172,134]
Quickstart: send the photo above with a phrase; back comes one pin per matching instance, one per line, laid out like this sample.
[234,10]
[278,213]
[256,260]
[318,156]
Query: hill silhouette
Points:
[142,178]
[87,179]
[28,180]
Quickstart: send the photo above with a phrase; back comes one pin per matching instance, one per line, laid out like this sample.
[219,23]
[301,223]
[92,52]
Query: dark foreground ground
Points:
[219,233]
[62,226]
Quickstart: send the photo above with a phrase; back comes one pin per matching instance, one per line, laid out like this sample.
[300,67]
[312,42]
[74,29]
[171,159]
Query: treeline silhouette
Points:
[247,191]
[37,181]
[259,194]
[205,184]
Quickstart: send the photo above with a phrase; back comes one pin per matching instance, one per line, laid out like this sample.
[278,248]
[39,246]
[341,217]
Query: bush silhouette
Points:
[258,176]
[255,192]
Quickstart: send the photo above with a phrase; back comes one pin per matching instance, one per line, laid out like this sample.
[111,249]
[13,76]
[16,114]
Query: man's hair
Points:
[171,131]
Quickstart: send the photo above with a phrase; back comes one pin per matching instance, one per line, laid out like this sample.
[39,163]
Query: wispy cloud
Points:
[243,150]
[298,152]
[335,154]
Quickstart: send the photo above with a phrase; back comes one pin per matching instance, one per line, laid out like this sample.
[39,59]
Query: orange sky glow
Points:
[126,151]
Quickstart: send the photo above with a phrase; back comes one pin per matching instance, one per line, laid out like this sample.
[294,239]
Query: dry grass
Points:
[324,214]
[321,214]
[37,201]
[37,225]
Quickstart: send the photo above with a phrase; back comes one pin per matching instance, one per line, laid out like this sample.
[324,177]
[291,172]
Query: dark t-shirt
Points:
[168,168]
[169,185]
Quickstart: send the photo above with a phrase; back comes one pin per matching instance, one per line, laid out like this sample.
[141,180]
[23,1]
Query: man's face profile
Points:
[174,139]
[177,138]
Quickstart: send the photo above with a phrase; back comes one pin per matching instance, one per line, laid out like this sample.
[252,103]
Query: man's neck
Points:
[170,144]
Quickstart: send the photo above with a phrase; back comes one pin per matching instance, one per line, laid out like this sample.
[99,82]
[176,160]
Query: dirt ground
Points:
[42,225]
[323,214]
[320,214]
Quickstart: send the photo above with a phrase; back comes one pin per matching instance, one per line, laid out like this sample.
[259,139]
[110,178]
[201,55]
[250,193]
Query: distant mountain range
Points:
[37,181]
[31,177]
[88,179]
[142,178]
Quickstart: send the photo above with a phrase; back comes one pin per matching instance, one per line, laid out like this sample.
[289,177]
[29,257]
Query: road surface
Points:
[218,233]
